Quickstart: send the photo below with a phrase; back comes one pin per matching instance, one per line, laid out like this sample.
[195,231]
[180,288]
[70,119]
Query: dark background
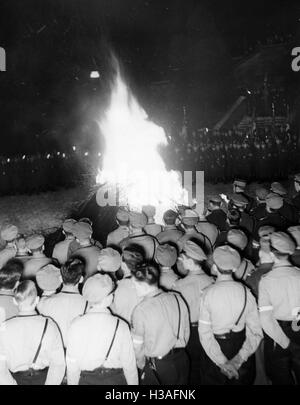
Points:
[173,53]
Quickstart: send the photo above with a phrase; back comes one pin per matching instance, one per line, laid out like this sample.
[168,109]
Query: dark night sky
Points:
[52,45]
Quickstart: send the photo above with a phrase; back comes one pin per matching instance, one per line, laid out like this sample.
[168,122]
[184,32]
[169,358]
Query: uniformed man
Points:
[23,253]
[48,279]
[31,349]
[68,303]
[60,251]
[166,257]
[125,295]
[170,234]
[87,251]
[278,188]
[279,303]
[191,287]
[190,219]
[35,244]
[229,326]
[216,215]
[239,241]
[9,279]
[99,344]
[9,234]
[296,198]
[259,210]
[151,228]
[239,187]
[75,245]
[294,231]
[109,261]
[239,202]
[160,330]
[210,231]
[115,237]
[148,243]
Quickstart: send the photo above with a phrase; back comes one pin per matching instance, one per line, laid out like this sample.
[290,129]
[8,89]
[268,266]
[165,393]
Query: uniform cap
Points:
[82,230]
[149,210]
[48,278]
[278,188]
[166,255]
[35,242]
[282,242]
[68,225]
[265,230]
[226,258]
[192,250]
[274,201]
[237,238]
[261,193]
[240,183]
[216,199]
[190,217]
[137,219]
[239,200]
[295,232]
[9,232]
[97,287]
[109,260]
[122,215]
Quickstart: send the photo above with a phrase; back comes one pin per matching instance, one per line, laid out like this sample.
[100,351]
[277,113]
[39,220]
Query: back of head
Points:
[72,271]
[147,273]
[170,217]
[26,292]
[10,274]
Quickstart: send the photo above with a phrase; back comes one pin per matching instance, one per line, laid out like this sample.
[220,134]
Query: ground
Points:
[45,212]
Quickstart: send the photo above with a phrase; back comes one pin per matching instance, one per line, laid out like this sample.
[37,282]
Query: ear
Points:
[16,285]
[15,302]
[81,280]
[36,301]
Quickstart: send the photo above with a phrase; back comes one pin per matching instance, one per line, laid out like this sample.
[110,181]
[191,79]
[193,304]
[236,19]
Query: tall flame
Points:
[131,160]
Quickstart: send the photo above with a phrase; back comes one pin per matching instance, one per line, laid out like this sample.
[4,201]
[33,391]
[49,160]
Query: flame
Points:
[131,160]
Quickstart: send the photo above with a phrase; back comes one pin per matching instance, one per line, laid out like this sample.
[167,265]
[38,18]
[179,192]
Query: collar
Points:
[169,227]
[70,289]
[154,293]
[28,313]
[137,232]
[7,293]
[98,310]
[38,255]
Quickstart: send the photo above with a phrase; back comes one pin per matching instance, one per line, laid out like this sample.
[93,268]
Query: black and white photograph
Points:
[150,195]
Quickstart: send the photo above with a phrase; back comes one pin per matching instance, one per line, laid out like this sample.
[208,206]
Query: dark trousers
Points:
[283,365]
[103,376]
[194,349]
[31,377]
[173,369]
[211,374]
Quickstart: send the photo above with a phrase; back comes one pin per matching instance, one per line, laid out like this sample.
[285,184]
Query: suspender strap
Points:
[245,270]
[179,319]
[244,307]
[207,238]
[113,339]
[41,341]
[85,308]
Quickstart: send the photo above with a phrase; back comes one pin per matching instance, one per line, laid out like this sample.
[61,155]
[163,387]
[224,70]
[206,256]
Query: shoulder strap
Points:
[179,318]
[85,308]
[245,270]
[113,339]
[206,238]
[41,341]
[244,307]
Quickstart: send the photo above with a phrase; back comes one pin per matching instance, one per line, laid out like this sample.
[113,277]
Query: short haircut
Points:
[170,217]
[147,273]
[277,254]
[26,290]
[216,203]
[72,271]
[10,274]
[224,272]
[86,220]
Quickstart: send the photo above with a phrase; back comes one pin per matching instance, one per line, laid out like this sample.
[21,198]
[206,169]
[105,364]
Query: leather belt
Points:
[228,335]
[171,352]
[194,324]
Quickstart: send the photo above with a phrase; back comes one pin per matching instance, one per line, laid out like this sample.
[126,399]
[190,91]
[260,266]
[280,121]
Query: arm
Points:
[254,332]
[5,375]
[206,335]
[138,337]
[128,358]
[57,365]
[73,369]
[268,321]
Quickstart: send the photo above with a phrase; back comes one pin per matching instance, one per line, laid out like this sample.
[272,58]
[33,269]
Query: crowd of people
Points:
[204,299]
[256,154]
